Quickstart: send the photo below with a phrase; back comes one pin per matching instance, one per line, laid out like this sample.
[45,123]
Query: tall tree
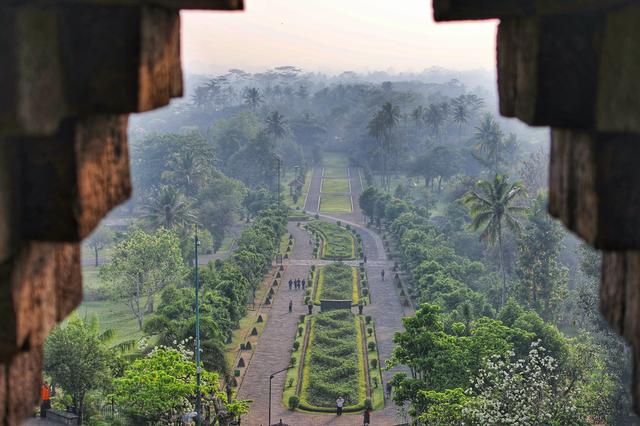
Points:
[141,266]
[252,98]
[543,280]
[460,114]
[492,205]
[168,208]
[99,239]
[76,357]
[434,118]
[276,125]
[489,142]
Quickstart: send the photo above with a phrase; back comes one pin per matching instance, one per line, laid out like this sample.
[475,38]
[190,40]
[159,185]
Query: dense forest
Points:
[503,290]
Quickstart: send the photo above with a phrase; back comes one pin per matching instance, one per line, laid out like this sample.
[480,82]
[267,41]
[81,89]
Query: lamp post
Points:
[198,371]
[279,161]
[270,379]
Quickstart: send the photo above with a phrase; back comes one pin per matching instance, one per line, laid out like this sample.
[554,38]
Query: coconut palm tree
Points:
[376,129]
[252,98]
[493,208]
[489,141]
[434,118]
[276,125]
[168,208]
[185,169]
[417,115]
[460,115]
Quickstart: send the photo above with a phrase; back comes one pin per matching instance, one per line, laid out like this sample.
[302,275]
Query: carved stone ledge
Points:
[594,186]
[70,181]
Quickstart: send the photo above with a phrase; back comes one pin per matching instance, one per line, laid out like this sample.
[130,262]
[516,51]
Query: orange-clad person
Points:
[45,399]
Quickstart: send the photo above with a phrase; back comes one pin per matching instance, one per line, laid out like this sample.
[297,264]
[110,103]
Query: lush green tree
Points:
[141,266]
[435,117]
[489,142]
[99,239]
[77,358]
[188,170]
[168,208]
[161,387]
[543,280]
[252,98]
[493,207]
[277,126]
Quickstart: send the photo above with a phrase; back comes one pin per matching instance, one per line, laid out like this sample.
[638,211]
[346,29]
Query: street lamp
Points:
[279,162]
[270,379]
[196,243]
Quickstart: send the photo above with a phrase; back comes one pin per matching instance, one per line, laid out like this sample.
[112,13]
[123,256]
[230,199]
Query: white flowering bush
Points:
[520,392]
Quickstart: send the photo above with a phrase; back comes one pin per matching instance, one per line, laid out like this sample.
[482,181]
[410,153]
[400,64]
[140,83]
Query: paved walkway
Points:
[274,347]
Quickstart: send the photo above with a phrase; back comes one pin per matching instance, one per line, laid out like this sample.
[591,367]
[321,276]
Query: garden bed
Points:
[337,281]
[334,363]
[335,172]
[337,242]
[336,185]
[335,203]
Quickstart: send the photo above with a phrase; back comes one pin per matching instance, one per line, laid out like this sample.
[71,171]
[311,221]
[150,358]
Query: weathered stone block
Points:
[137,70]
[71,180]
[594,187]
[462,10]
[23,379]
[547,69]
[32,285]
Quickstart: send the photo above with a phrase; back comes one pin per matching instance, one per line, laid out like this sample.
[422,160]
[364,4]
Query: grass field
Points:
[334,172]
[335,203]
[335,185]
[333,159]
[337,240]
[113,315]
[337,282]
[333,363]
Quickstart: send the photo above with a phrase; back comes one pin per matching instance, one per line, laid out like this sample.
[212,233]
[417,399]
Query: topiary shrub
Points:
[375,382]
[241,363]
[248,346]
[367,404]
[267,302]
[348,227]
[290,382]
[369,331]
[294,401]
[339,223]
[363,283]
[296,345]
[300,331]
[236,373]
[307,300]
[367,319]
[242,347]
[260,319]
[317,216]
[365,292]
[254,332]
[371,346]
[374,363]
[293,361]
[301,318]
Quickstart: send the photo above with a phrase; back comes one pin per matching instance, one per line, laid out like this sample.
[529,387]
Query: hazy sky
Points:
[334,36]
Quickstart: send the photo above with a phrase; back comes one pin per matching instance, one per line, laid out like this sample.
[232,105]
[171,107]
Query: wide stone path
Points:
[274,348]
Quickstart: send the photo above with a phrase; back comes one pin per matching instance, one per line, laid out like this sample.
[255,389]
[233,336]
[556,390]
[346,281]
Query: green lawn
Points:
[113,315]
[335,203]
[333,172]
[333,363]
[337,282]
[335,185]
[337,240]
[335,159]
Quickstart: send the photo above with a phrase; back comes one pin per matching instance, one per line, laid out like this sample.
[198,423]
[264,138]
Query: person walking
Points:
[290,284]
[303,283]
[365,259]
[290,305]
[45,399]
[339,405]
[388,389]
[382,274]
[366,417]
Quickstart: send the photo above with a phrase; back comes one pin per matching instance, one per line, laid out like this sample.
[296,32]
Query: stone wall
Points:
[573,65]
[72,70]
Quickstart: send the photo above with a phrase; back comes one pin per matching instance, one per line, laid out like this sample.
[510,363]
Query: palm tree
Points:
[168,208]
[276,125]
[460,115]
[418,116]
[376,130]
[434,118]
[185,169]
[488,138]
[389,117]
[252,98]
[492,208]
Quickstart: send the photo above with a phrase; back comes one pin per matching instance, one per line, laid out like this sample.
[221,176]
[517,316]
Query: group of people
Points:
[297,284]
